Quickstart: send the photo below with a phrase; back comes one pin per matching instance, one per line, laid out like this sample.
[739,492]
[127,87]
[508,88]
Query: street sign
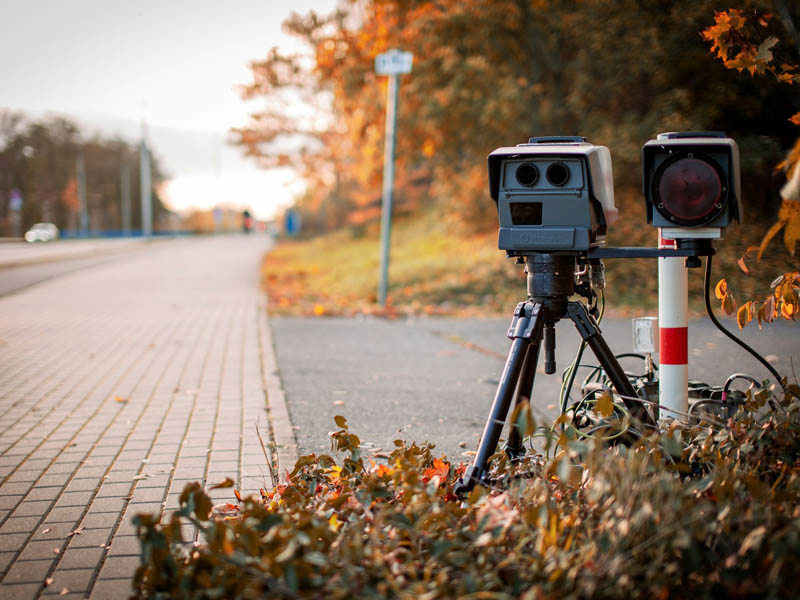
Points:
[15,202]
[393,62]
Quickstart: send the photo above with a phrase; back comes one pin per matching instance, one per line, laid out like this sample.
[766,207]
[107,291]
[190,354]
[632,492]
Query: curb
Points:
[277,410]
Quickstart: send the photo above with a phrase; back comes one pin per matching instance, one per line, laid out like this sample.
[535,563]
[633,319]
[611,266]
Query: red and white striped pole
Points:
[673,325]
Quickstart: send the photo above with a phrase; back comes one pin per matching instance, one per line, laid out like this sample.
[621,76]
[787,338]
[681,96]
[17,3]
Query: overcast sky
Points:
[176,63]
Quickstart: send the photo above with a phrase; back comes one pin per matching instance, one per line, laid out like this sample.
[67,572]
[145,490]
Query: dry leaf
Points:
[604,405]
[223,484]
[118,399]
[743,266]
[721,289]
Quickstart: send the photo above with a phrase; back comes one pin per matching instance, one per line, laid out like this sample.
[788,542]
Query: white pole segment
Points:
[673,322]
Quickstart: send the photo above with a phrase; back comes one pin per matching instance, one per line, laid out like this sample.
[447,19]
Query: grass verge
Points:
[436,269]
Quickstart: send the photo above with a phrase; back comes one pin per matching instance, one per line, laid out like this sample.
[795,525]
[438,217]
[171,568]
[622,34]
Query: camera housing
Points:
[553,194]
[691,183]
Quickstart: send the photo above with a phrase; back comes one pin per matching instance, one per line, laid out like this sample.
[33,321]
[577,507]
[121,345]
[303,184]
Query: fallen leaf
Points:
[118,399]
[48,581]
[223,484]
[338,403]
[45,531]
[439,469]
[75,532]
[64,592]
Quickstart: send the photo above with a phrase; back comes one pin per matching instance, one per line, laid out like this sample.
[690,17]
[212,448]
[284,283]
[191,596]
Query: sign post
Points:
[392,63]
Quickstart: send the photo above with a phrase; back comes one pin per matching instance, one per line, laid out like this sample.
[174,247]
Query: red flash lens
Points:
[690,189]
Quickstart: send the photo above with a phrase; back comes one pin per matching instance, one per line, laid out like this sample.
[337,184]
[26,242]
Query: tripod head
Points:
[551,280]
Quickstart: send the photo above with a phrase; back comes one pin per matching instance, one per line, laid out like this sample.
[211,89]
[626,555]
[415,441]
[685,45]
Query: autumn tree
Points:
[488,74]
[749,40]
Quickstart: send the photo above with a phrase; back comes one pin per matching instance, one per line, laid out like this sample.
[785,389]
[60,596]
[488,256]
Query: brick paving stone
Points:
[91,538]
[111,588]
[119,566]
[125,545]
[162,329]
[28,571]
[79,558]
[75,580]
[10,501]
[32,508]
[20,591]
[41,549]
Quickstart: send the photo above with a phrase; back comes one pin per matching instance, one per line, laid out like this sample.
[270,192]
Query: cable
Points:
[756,355]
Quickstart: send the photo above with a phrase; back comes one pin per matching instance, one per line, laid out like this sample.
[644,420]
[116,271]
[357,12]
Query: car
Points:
[41,232]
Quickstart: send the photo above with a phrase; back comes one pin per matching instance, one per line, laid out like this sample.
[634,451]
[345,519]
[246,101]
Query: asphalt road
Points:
[23,265]
[433,379]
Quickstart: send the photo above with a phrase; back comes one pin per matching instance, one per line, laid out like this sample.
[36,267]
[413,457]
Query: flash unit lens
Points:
[689,190]
[527,174]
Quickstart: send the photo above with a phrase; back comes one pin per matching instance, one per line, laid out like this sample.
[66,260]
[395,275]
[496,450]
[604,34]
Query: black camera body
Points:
[692,184]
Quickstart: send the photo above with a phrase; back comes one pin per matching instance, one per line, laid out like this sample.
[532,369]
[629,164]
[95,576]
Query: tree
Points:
[747,40]
[39,158]
[489,74]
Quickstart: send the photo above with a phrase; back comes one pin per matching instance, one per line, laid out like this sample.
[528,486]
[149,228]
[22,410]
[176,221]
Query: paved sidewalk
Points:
[119,384]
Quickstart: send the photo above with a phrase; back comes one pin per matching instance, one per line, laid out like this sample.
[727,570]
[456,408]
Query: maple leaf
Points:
[439,469]
[795,118]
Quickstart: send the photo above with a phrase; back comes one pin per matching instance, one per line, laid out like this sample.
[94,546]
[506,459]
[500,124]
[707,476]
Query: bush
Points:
[709,510]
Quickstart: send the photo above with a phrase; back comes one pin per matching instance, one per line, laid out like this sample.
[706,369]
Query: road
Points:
[433,379]
[23,264]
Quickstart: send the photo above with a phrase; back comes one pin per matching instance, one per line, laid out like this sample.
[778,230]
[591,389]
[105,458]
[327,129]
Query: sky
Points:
[109,64]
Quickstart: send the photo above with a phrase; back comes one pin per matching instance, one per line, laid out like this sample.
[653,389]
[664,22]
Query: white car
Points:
[41,232]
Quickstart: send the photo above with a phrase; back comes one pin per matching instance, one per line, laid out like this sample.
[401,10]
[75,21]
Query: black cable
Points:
[756,355]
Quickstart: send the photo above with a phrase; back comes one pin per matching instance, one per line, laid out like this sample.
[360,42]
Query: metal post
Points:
[146,195]
[83,211]
[125,198]
[673,323]
[388,184]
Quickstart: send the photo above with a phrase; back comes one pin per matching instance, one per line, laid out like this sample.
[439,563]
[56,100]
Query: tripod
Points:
[551,281]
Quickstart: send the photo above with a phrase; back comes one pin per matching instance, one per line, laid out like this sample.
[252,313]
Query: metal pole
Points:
[673,324]
[83,211]
[125,198]
[144,173]
[388,184]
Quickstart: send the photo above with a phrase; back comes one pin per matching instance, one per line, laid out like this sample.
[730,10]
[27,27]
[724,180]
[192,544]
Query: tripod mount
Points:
[551,280]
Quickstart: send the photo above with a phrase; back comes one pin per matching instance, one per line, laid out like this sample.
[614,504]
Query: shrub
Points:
[708,510]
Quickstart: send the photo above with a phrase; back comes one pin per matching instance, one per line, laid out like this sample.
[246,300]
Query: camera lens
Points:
[527,174]
[690,189]
[558,174]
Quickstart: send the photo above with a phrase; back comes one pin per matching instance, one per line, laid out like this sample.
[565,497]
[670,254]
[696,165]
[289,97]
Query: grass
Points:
[437,269]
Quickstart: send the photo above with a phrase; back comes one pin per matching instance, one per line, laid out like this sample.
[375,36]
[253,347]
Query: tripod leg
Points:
[514,448]
[526,328]
[590,332]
